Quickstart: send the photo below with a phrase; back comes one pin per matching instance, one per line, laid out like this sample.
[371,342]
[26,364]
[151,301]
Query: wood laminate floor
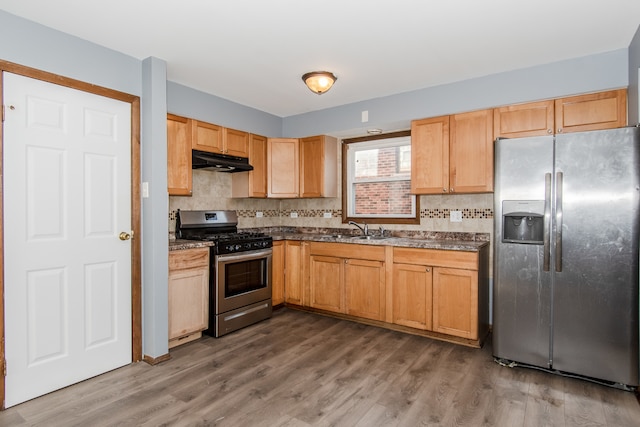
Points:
[303,369]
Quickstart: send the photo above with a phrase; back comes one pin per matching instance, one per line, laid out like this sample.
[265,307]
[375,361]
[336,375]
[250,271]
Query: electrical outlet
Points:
[145,190]
[327,215]
[455,216]
[258,214]
[293,214]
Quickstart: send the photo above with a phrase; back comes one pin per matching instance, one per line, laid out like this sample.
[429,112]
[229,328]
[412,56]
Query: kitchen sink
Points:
[370,237]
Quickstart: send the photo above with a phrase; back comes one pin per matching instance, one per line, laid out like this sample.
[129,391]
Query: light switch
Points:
[258,214]
[294,215]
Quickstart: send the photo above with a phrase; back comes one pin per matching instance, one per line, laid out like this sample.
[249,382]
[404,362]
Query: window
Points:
[377,179]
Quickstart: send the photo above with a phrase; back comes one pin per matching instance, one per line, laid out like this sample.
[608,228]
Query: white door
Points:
[67,274]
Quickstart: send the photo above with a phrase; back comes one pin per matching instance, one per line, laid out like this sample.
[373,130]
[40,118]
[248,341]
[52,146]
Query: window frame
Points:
[345,170]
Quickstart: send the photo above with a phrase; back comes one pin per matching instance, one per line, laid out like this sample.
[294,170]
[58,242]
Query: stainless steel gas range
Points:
[239,270]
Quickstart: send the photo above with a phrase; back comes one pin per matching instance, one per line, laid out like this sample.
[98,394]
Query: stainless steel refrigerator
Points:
[567,219]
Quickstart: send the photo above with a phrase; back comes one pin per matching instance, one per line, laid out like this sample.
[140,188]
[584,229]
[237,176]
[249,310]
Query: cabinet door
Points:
[188,292]
[235,142]
[207,137]
[277,273]
[283,166]
[365,288]
[455,302]
[412,292]
[531,119]
[471,152]
[326,283]
[179,181]
[312,166]
[430,156]
[595,111]
[258,159]
[294,274]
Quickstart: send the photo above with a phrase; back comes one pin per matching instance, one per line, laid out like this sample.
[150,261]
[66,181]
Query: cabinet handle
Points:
[444,190]
[559,130]
[451,189]
[549,131]
[428,269]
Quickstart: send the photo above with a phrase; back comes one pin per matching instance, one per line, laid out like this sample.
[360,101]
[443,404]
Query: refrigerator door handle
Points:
[546,239]
[559,177]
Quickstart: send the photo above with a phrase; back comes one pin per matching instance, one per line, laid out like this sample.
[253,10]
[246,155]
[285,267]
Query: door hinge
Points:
[4,367]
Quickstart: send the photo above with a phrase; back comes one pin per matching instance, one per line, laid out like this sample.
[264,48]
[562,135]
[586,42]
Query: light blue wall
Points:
[155,221]
[634,86]
[569,77]
[188,102]
[27,43]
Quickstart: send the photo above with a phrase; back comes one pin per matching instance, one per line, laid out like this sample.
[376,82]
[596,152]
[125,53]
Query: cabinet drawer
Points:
[188,258]
[347,250]
[436,258]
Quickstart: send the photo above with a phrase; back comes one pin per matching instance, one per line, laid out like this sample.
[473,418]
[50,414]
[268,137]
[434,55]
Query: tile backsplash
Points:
[212,190]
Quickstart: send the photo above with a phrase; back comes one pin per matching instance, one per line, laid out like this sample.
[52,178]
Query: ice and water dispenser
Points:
[523,221]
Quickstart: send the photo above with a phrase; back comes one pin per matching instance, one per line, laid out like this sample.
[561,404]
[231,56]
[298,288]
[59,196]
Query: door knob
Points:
[125,236]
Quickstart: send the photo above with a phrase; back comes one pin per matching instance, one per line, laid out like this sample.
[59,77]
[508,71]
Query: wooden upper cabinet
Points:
[252,183]
[218,139]
[602,110]
[595,111]
[179,180]
[283,163]
[430,155]
[235,142]
[471,152]
[531,119]
[207,137]
[318,166]
[258,159]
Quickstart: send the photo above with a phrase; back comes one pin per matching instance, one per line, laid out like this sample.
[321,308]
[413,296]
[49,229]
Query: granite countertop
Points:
[407,242]
[444,241]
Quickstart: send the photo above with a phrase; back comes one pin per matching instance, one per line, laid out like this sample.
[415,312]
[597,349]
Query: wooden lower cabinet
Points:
[446,292]
[365,288]
[455,302]
[412,296]
[326,283]
[294,276]
[188,294]
[443,294]
[277,273]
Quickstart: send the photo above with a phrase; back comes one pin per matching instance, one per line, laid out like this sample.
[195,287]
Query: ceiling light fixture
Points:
[319,81]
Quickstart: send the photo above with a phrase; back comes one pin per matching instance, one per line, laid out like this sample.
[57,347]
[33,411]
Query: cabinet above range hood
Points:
[219,162]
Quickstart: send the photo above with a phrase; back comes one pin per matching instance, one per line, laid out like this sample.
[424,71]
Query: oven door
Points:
[242,279]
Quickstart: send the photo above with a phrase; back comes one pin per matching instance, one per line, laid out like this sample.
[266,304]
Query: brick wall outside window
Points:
[387,197]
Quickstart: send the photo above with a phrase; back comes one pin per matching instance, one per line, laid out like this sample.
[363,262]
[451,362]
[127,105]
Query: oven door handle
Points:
[244,256]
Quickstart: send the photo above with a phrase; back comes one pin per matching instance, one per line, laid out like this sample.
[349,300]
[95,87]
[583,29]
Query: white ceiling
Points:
[254,52]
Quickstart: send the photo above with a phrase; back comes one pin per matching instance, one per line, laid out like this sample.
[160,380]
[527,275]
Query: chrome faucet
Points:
[364,228]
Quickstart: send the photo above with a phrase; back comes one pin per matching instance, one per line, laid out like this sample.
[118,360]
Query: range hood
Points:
[219,162]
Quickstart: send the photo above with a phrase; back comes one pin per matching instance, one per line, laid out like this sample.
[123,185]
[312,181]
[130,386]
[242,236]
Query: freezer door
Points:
[522,289]
[595,291]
